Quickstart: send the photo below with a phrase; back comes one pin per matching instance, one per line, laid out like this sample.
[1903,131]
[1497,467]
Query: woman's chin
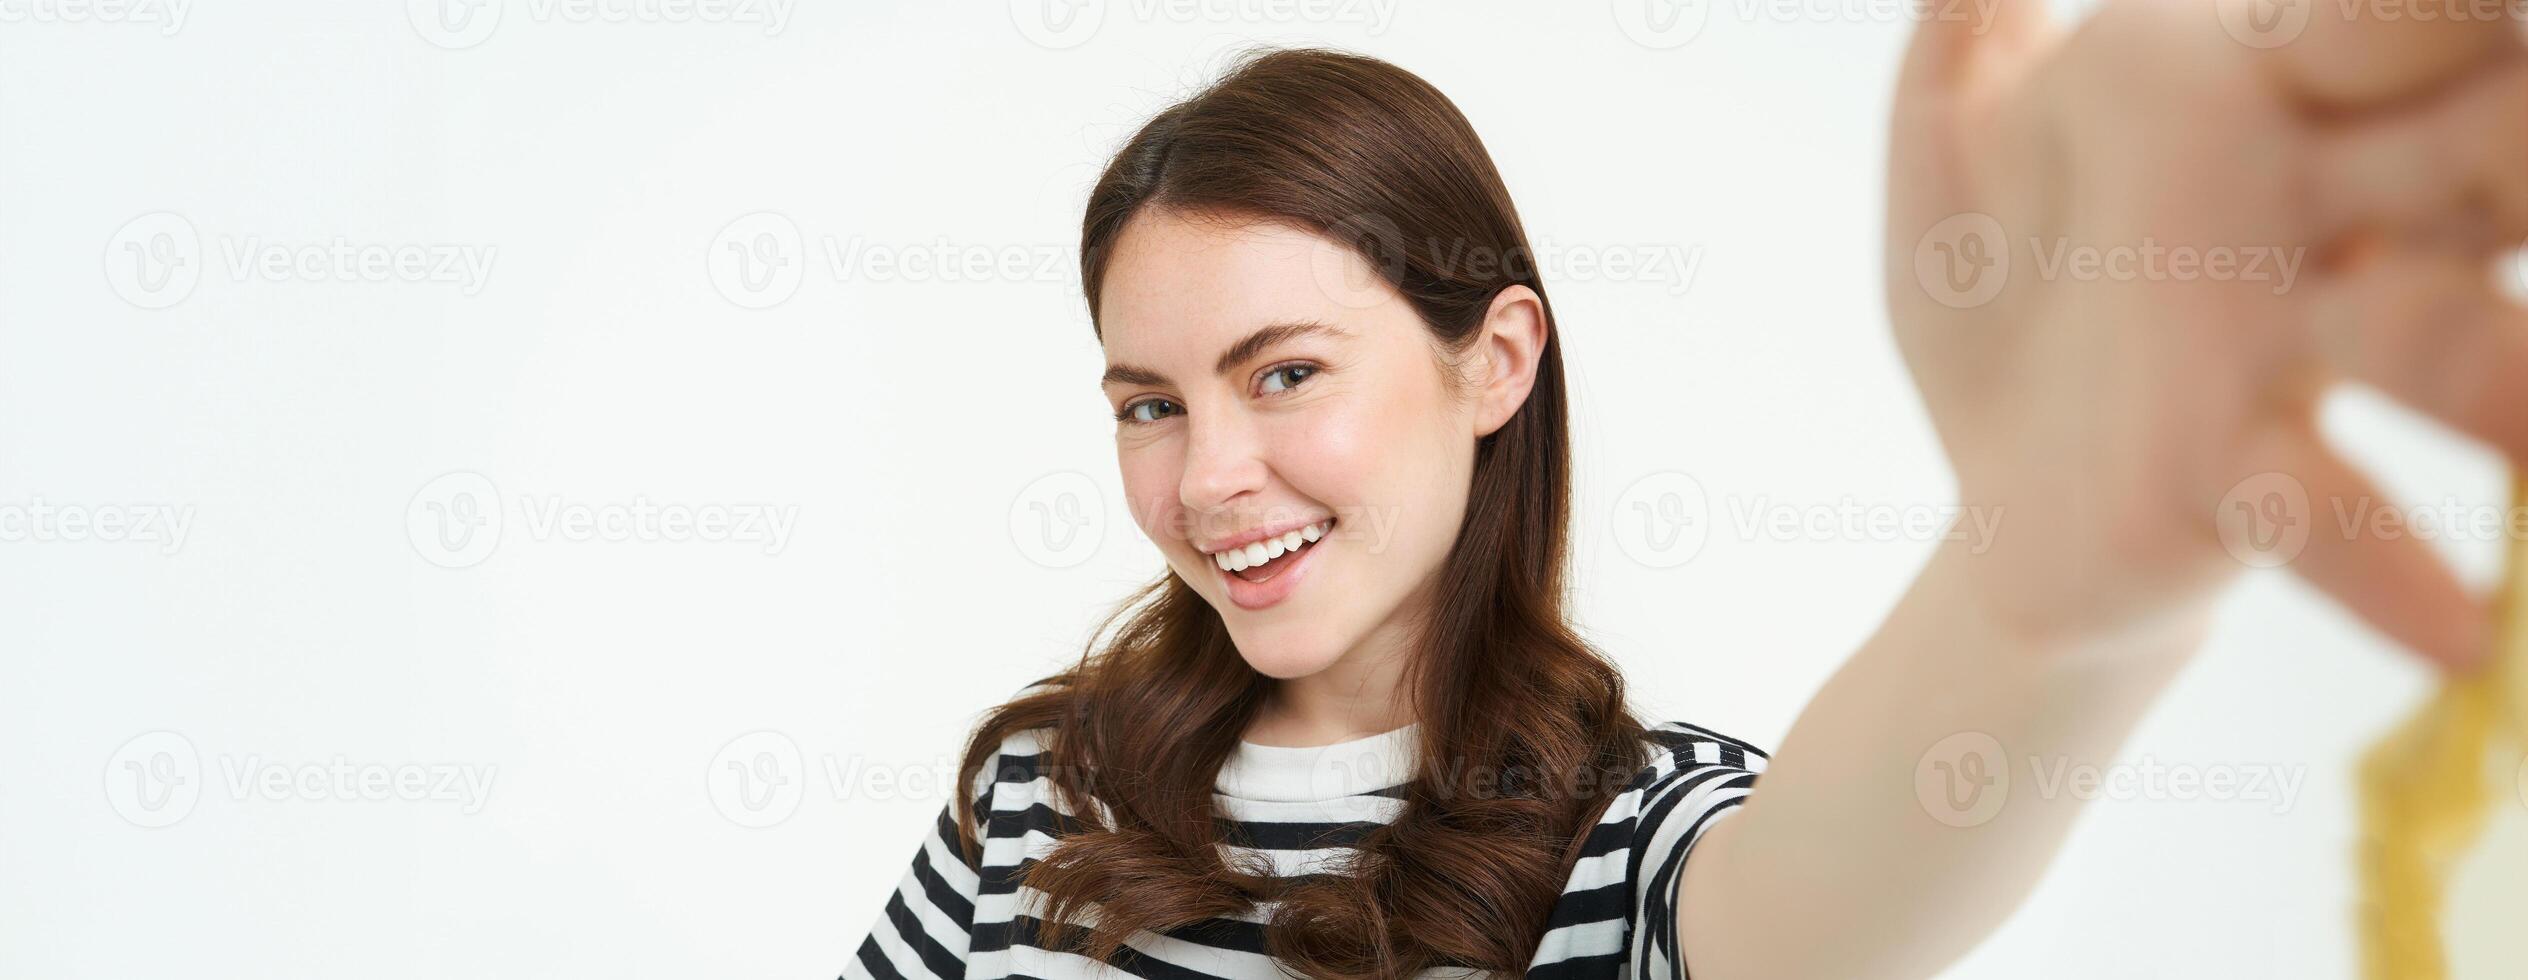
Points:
[1285,659]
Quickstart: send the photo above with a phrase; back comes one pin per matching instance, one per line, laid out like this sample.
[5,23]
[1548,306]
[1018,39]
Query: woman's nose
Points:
[1224,458]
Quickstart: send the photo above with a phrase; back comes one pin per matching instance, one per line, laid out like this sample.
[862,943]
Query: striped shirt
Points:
[1293,808]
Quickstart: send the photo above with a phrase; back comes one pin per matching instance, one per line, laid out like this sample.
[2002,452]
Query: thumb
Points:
[1962,42]
[1963,60]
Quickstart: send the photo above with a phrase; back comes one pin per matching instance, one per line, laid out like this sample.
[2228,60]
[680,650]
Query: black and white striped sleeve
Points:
[924,931]
[1702,778]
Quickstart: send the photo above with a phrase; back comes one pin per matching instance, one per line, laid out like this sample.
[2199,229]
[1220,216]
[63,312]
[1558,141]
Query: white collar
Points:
[1308,774]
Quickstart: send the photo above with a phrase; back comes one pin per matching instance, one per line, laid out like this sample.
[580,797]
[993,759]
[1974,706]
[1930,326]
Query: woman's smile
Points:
[1266,569]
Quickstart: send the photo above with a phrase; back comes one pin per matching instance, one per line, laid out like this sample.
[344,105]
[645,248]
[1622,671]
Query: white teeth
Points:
[1257,553]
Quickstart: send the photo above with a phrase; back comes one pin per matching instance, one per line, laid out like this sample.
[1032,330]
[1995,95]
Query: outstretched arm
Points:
[1898,823]
[2124,263]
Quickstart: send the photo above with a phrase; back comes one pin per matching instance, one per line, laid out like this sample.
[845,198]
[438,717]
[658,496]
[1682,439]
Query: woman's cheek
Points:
[1150,493]
[1329,457]
[1380,459]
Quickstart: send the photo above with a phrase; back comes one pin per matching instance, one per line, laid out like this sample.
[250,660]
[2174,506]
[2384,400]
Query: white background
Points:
[912,429]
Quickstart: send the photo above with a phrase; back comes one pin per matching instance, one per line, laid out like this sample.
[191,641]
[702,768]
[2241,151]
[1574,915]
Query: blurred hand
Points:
[2124,263]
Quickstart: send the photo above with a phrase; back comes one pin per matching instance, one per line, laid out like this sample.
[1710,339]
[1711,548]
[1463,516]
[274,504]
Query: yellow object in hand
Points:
[2425,793]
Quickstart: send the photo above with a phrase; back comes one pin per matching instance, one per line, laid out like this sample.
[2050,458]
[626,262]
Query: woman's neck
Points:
[1359,695]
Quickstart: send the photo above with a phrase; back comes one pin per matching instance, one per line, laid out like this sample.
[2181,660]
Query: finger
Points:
[1958,43]
[1950,92]
[2359,553]
[2460,161]
[2351,55]
[2434,330]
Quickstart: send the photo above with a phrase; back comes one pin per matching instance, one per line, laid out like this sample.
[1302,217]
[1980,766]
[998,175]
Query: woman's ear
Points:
[1512,342]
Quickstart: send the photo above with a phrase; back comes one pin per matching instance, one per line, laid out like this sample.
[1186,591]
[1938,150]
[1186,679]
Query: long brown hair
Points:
[1524,729]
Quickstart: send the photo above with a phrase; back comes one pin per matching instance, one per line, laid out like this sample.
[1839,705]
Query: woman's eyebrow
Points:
[1238,353]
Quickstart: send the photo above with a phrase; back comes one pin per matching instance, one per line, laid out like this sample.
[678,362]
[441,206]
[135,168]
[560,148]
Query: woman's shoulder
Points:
[1026,720]
[1690,775]
[1018,777]
[1679,746]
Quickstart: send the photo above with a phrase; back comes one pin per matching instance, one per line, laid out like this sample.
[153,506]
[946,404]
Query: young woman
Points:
[1351,732]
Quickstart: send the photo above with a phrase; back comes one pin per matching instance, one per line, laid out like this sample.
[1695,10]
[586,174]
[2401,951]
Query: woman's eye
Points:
[1292,375]
[1148,410]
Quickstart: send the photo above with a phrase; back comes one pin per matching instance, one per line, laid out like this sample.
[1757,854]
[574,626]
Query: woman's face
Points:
[1273,391]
